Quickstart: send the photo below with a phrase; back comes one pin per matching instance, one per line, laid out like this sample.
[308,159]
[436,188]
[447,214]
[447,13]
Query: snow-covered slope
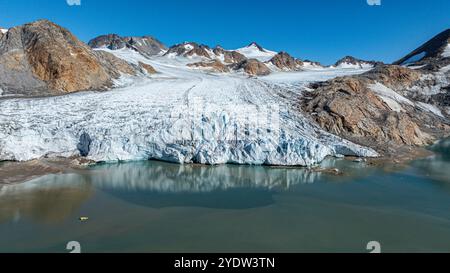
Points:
[254,51]
[395,101]
[180,115]
[2,30]
[446,53]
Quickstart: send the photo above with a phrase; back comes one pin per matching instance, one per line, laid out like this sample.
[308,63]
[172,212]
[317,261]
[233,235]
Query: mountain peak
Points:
[254,44]
[49,59]
[430,52]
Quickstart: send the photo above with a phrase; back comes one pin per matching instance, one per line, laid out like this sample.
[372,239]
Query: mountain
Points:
[253,67]
[376,110]
[187,114]
[228,56]
[434,54]
[43,58]
[189,50]
[146,45]
[255,51]
[286,62]
[352,62]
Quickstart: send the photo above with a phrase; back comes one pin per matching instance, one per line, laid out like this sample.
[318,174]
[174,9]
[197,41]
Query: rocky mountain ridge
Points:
[432,55]
[42,58]
[146,45]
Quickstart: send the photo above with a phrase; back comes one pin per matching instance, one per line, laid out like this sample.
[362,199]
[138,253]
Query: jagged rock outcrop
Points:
[284,61]
[111,41]
[233,57]
[229,56]
[433,55]
[189,49]
[147,68]
[42,58]
[253,67]
[215,65]
[146,45]
[350,61]
[370,110]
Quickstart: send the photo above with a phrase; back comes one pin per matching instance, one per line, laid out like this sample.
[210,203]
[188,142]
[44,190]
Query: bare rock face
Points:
[233,57]
[348,107]
[111,41]
[146,45]
[43,58]
[215,65]
[147,68]
[284,61]
[253,67]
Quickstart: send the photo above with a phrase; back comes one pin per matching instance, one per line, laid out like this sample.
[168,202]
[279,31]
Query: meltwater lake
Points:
[161,207]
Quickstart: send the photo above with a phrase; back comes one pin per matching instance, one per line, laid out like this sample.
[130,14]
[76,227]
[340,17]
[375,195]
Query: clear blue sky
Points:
[322,30]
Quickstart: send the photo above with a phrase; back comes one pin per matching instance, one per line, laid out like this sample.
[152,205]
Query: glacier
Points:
[179,115]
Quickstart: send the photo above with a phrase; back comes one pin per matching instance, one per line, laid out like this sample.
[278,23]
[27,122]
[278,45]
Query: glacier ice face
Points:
[180,115]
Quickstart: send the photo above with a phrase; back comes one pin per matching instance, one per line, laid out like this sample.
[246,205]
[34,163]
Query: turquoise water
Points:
[161,207]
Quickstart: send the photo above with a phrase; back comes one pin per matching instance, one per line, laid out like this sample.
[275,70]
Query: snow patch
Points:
[309,75]
[445,69]
[253,52]
[446,53]
[188,47]
[2,30]
[430,108]
[395,100]
[390,97]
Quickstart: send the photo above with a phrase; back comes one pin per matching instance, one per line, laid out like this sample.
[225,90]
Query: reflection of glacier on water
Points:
[173,178]
[158,184]
[160,177]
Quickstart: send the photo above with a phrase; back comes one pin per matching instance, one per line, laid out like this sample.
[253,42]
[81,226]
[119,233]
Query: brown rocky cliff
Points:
[60,59]
[51,60]
[253,67]
[147,68]
[284,61]
[349,108]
